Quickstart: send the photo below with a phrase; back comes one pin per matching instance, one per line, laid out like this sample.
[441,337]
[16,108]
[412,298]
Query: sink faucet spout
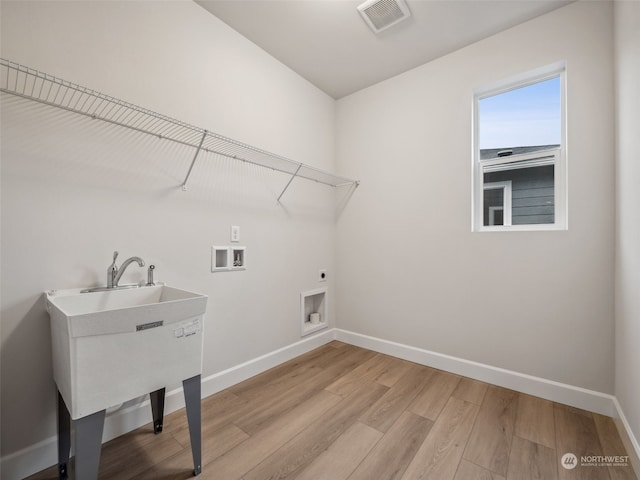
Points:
[114,273]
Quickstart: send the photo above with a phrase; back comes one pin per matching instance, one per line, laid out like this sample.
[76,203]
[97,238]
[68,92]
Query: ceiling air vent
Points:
[382,14]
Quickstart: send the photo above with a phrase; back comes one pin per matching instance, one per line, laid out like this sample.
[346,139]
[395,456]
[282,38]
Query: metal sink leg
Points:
[88,445]
[88,442]
[192,398]
[64,438]
[157,409]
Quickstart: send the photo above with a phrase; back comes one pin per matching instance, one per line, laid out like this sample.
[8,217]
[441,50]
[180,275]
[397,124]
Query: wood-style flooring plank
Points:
[471,471]
[534,420]
[327,361]
[392,455]
[383,414]
[217,411]
[531,461]
[299,452]
[439,455]
[576,433]
[369,371]
[343,455]
[435,395]
[285,379]
[260,412]
[126,456]
[490,441]
[396,368]
[470,390]
[132,461]
[180,465]
[242,458]
[288,371]
[612,445]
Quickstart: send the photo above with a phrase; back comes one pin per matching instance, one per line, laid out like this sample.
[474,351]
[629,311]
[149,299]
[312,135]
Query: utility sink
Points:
[114,345]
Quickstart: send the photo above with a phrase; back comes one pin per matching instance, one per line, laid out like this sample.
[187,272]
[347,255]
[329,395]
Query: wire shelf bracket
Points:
[25,82]
[195,156]
[289,182]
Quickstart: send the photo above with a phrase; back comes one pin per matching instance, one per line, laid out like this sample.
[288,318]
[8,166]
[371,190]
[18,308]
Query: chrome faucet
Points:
[114,273]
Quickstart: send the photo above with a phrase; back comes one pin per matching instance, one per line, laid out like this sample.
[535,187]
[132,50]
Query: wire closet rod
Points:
[25,82]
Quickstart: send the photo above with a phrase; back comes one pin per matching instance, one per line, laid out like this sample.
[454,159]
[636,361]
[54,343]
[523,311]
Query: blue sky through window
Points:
[523,117]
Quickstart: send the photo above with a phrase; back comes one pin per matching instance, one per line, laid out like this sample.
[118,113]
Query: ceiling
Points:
[329,44]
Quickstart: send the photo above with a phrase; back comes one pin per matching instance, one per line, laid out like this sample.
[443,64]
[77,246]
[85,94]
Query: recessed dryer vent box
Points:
[227,259]
[313,311]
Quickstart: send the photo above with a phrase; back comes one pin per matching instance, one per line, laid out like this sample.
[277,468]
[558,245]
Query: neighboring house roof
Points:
[486,153]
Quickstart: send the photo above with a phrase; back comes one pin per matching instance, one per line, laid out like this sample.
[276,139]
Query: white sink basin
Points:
[123,310]
[112,346]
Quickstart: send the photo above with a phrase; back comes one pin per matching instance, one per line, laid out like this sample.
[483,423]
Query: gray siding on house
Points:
[532,194]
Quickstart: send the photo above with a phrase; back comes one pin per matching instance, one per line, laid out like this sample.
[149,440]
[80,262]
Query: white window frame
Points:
[506,202]
[559,155]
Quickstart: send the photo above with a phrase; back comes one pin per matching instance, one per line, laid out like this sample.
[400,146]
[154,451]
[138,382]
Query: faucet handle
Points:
[150,275]
[112,270]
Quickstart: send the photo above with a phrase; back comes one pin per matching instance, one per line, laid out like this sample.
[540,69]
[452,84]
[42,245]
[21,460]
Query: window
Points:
[497,203]
[519,160]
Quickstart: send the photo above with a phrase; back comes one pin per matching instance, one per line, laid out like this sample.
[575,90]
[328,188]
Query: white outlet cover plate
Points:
[235,233]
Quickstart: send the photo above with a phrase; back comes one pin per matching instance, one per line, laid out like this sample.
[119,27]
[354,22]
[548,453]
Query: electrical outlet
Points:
[235,233]
[322,275]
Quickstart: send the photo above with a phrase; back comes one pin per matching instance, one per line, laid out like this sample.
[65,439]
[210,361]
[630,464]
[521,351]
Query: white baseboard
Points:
[43,454]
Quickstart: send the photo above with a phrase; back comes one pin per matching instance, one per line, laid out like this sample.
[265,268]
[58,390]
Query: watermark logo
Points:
[604,460]
[569,461]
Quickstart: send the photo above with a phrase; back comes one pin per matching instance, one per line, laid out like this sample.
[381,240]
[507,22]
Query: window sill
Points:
[522,228]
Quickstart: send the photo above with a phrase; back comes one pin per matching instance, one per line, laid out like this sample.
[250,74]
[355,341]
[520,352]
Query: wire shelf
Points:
[31,84]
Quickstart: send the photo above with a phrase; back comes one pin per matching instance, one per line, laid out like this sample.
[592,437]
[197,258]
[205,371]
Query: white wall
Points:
[627,362]
[74,190]
[409,268]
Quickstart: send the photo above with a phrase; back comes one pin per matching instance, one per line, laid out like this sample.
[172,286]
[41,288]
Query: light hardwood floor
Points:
[344,413]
